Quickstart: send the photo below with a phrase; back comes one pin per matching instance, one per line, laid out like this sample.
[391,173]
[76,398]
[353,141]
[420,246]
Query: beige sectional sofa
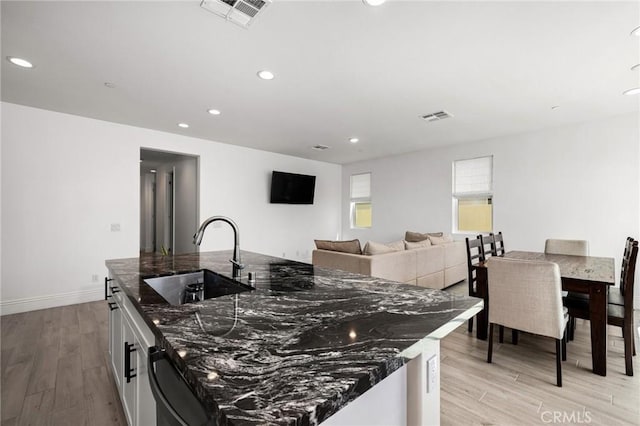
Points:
[435,266]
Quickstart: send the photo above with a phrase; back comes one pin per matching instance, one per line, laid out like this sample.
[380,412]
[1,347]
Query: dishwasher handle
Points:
[192,412]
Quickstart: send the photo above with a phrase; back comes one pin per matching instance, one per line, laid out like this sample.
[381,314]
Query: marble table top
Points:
[296,349]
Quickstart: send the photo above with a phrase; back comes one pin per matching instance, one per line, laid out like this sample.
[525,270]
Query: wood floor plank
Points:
[90,351]
[14,389]
[69,383]
[43,373]
[36,409]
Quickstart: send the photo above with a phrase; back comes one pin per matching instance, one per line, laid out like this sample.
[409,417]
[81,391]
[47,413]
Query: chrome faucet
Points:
[237,263]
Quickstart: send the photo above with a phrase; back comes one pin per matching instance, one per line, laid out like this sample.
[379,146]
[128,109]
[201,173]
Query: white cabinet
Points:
[129,339]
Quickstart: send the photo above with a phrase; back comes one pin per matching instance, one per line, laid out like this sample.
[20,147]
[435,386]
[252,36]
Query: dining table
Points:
[580,274]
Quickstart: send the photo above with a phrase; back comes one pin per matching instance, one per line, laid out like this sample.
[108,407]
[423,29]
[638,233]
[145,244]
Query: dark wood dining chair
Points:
[498,244]
[617,315]
[475,255]
[526,295]
[488,245]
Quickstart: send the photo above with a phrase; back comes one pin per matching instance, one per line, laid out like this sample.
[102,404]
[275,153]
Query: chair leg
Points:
[490,351]
[470,325]
[501,334]
[571,328]
[514,337]
[558,362]
[564,345]
[627,334]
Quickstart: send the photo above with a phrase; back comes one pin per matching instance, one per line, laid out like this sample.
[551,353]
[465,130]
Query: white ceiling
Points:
[342,69]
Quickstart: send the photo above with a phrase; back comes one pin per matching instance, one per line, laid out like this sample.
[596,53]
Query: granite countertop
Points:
[296,349]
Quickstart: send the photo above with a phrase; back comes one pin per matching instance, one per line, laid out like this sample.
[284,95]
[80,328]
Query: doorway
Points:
[169,202]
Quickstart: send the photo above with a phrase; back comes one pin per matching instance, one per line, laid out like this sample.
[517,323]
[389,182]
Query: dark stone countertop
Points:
[295,350]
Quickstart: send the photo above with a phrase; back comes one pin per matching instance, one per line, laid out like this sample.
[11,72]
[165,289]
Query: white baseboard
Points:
[27,304]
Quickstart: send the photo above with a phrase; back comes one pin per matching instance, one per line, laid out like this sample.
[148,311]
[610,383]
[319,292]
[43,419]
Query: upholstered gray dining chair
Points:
[571,247]
[525,295]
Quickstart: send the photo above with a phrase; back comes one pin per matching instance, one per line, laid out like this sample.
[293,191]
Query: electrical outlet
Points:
[115,227]
[432,373]
[94,278]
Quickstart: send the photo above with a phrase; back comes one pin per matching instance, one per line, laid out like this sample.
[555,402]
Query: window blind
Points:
[473,176]
[361,185]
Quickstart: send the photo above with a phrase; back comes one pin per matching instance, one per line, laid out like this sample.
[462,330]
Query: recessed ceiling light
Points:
[635,67]
[266,75]
[214,112]
[633,91]
[636,31]
[183,125]
[20,62]
[354,140]
[153,170]
[373,2]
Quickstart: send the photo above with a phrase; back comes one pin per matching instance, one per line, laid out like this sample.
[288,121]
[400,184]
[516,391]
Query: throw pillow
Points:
[352,246]
[420,244]
[372,248]
[441,240]
[415,237]
[397,245]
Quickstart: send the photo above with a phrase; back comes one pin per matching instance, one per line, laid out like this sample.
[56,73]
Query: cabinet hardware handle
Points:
[128,349]
[106,280]
[113,306]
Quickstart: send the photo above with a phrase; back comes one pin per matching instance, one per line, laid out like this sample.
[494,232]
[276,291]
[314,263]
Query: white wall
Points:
[66,179]
[579,181]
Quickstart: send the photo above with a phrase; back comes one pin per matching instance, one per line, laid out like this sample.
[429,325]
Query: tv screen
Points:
[291,188]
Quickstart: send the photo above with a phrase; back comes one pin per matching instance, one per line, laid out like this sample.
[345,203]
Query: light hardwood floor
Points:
[55,371]
[519,388]
[54,366]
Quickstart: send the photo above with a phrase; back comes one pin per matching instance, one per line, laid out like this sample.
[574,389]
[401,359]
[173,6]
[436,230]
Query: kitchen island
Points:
[300,346]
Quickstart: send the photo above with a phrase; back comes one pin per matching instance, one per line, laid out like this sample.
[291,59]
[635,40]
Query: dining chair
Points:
[618,315]
[498,245]
[525,295]
[571,247]
[475,255]
[488,245]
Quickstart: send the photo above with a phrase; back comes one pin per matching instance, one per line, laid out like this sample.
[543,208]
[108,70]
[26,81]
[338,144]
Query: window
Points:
[473,195]
[361,200]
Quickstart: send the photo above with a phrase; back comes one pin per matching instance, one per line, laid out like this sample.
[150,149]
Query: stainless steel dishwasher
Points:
[176,404]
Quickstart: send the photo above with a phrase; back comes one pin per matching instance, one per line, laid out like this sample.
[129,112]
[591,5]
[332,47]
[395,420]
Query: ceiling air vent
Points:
[440,115]
[240,12]
[320,147]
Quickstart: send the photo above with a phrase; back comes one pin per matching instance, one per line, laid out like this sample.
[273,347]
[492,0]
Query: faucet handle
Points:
[237,264]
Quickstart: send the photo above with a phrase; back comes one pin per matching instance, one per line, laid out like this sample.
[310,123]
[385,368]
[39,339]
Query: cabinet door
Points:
[146,403]
[116,343]
[129,367]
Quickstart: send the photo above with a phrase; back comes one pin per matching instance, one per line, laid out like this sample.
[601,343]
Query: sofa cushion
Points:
[372,248]
[442,239]
[421,244]
[351,246]
[414,237]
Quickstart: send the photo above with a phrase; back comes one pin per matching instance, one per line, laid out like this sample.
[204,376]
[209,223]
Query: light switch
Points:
[432,373]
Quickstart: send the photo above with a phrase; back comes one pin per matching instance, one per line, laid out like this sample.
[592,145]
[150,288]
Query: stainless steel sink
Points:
[194,287]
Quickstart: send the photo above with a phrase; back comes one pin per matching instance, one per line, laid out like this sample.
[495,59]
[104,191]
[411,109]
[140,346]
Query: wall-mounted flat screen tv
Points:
[291,188]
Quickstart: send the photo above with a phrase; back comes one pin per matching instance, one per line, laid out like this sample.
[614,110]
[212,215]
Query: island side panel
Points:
[403,398]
